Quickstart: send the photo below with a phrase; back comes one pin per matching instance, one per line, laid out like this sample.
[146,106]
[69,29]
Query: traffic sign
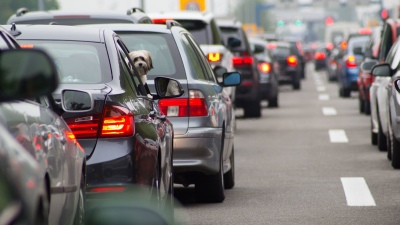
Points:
[194,5]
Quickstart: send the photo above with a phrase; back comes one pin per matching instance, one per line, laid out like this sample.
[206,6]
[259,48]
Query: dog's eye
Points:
[135,59]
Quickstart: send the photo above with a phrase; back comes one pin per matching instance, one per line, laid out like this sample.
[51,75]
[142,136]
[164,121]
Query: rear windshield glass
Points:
[280,51]
[74,21]
[198,29]
[360,41]
[76,62]
[164,53]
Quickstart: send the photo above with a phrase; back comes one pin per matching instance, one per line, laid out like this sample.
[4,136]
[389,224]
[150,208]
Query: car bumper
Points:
[198,151]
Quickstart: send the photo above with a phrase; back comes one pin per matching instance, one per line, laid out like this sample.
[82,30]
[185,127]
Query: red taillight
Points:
[195,105]
[239,61]
[264,67]
[214,57]
[291,60]
[161,20]
[319,56]
[351,62]
[107,189]
[271,46]
[117,122]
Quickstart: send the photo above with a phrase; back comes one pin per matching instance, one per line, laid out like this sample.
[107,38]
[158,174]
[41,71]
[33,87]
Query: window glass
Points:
[198,29]
[77,62]
[193,59]
[207,67]
[386,43]
[3,43]
[393,57]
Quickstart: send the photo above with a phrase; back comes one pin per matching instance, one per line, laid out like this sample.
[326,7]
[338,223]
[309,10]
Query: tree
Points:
[9,7]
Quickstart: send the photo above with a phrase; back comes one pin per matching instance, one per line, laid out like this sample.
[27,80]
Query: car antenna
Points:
[13,30]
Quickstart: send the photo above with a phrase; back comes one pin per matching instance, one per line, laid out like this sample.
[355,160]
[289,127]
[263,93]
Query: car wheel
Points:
[273,103]
[389,145]
[210,188]
[395,152]
[346,92]
[381,137]
[340,91]
[374,136]
[229,177]
[42,215]
[296,85]
[361,106]
[253,110]
[367,107]
[80,209]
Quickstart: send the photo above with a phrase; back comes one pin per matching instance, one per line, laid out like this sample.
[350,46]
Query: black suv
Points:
[248,93]
[60,17]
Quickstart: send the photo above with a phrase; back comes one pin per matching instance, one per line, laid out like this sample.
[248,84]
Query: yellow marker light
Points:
[214,57]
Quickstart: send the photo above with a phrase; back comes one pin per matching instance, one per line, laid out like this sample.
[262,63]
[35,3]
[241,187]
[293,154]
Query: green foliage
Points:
[9,7]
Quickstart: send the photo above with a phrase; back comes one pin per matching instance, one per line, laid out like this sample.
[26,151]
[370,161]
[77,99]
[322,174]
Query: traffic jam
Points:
[200,112]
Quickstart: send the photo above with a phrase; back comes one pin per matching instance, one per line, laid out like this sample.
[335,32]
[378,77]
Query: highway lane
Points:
[309,161]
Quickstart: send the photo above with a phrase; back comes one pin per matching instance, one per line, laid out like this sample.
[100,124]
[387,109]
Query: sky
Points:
[150,5]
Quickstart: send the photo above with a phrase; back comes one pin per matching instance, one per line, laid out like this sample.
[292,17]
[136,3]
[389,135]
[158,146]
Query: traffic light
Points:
[329,21]
[298,22]
[280,23]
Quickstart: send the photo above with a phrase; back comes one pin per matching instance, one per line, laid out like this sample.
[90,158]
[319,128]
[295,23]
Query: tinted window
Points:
[393,57]
[77,62]
[386,42]
[193,59]
[360,41]
[164,52]
[198,29]
[207,67]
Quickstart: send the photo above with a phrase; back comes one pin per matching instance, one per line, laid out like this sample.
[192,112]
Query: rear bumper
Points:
[197,152]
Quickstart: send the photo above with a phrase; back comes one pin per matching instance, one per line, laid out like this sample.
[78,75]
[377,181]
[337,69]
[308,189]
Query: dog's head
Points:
[141,61]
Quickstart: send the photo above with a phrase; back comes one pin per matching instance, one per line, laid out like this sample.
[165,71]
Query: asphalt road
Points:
[297,165]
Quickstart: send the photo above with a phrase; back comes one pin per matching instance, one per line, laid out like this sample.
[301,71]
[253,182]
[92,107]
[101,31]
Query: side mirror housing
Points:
[258,49]
[382,70]
[358,51]
[167,88]
[231,79]
[234,42]
[26,73]
[76,101]
[366,66]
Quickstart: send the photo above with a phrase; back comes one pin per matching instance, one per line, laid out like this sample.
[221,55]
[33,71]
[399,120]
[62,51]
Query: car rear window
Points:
[163,50]
[198,29]
[280,51]
[77,62]
[74,21]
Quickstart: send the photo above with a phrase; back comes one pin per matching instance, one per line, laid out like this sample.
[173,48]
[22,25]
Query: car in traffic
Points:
[126,139]
[203,117]
[269,85]
[297,49]
[33,119]
[287,67]
[76,17]
[248,92]
[350,58]
[320,58]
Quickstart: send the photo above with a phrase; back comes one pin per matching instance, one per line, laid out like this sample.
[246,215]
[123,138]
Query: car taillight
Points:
[161,20]
[116,122]
[214,57]
[195,105]
[107,189]
[239,61]
[319,56]
[351,62]
[264,67]
[291,60]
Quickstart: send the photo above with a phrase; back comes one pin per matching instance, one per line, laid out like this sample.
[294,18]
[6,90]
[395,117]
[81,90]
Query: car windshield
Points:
[164,52]
[76,62]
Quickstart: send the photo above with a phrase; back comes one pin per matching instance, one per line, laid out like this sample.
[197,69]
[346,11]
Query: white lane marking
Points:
[329,111]
[323,97]
[321,88]
[357,191]
[338,136]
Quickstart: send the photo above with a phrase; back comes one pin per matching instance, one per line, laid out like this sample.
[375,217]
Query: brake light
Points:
[271,46]
[161,20]
[239,61]
[291,60]
[117,122]
[343,45]
[264,67]
[365,31]
[351,62]
[214,57]
[195,105]
[107,189]
[319,56]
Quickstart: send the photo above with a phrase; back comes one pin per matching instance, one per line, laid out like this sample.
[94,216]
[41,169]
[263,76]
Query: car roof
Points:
[161,28]
[183,15]
[134,15]
[226,22]
[58,32]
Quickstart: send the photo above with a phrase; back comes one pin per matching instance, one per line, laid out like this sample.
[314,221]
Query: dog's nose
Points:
[140,64]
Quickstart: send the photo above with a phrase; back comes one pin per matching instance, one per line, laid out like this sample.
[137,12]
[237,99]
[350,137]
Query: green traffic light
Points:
[298,22]
[280,23]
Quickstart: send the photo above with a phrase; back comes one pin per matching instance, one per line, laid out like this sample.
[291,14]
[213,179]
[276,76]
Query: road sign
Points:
[194,5]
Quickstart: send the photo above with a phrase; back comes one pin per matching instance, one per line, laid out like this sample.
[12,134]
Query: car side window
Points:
[386,43]
[127,69]
[194,60]
[393,57]
[3,43]
[207,67]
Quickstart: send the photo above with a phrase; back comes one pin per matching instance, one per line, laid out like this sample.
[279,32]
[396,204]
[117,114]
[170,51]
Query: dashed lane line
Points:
[329,111]
[321,88]
[338,136]
[323,97]
[357,192]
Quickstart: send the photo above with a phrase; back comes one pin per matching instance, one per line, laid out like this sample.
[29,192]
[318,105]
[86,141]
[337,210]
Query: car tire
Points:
[79,218]
[273,103]
[42,215]
[367,107]
[229,177]
[253,109]
[296,85]
[389,145]
[210,188]
[374,136]
[361,106]
[346,92]
[382,146]
[395,152]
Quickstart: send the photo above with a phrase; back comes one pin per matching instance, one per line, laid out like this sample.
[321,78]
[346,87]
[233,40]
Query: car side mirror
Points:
[366,66]
[382,70]
[167,88]
[258,49]
[76,101]
[234,42]
[396,84]
[231,79]
[26,73]
[219,71]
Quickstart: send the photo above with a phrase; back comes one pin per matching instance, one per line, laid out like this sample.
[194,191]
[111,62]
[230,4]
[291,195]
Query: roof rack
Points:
[133,10]
[21,11]
[171,23]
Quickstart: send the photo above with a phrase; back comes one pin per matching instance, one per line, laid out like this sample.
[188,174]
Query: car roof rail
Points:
[133,10]
[171,23]
[21,11]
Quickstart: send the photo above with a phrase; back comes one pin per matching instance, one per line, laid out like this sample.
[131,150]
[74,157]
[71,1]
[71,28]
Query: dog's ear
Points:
[150,60]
